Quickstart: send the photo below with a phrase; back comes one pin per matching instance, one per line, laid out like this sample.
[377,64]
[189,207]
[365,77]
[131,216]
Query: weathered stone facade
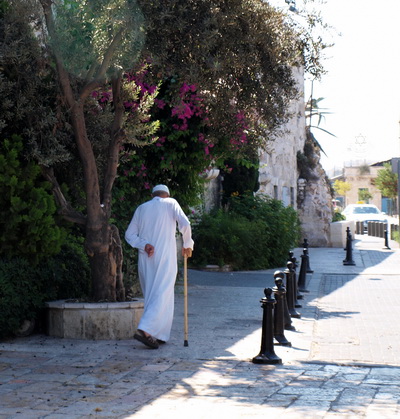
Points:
[278,165]
[315,208]
[279,176]
[212,190]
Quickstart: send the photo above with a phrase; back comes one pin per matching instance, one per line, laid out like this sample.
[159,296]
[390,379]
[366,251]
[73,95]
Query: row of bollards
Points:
[349,239]
[377,229]
[279,306]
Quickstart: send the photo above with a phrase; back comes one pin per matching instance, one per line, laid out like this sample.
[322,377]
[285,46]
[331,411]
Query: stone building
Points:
[362,177]
[308,191]
[278,175]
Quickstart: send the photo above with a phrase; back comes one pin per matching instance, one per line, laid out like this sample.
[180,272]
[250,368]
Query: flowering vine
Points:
[182,150]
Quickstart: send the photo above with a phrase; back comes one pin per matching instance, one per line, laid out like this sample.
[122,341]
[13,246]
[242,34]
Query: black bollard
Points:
[301,283]
[279,318]
[374,229]
[386,235]
[267,354]
[360,227]
[290,292]
[347,237]
[305,252]
[381,229]
[291,258]
[288,325]
[297,293]
[349,250]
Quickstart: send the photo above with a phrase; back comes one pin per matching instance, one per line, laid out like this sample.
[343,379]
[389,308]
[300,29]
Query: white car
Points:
[365,213]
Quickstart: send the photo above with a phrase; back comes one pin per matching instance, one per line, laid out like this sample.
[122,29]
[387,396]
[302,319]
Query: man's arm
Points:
[132,234]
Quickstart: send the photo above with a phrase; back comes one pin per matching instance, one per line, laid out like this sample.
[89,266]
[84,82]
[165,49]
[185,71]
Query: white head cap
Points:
[162,188]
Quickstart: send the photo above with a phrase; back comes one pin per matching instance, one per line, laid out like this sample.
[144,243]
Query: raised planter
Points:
[94,321]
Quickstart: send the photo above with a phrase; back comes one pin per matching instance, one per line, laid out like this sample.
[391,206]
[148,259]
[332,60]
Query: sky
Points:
[362,85]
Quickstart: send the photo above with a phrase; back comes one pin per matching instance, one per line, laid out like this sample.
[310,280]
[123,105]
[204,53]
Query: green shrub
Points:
[338,216]
[67,275]
[20,294]
[226,239]
[27,207]
[24,287]
[250,233]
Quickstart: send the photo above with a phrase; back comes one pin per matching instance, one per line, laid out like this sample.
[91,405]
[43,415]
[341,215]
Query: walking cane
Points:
[185,295]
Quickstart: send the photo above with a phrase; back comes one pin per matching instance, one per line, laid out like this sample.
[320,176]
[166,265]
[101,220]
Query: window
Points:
[275,192]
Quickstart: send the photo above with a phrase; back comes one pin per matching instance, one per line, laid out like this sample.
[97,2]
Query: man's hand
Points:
[149,249]
[187,252]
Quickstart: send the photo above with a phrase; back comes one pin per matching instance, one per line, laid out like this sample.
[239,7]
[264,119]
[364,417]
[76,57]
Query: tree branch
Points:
[113,151]
[65,208]
[63,74]
[100,74]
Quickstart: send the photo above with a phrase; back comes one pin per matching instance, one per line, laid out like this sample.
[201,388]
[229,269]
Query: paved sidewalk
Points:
[344,360]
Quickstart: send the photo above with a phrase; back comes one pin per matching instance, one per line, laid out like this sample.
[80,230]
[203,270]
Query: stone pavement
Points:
[344,360]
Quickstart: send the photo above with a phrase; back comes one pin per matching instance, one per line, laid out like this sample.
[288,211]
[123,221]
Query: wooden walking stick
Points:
[185,296]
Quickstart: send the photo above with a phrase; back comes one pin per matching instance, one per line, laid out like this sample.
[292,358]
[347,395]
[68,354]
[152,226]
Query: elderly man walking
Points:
[152,231]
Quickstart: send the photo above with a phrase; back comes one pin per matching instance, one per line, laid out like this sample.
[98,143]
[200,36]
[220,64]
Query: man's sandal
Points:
[147,340]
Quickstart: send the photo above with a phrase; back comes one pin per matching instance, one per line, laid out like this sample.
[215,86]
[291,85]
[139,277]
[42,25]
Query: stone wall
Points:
[315,209]
[278,164]
[212,190]
[279,175]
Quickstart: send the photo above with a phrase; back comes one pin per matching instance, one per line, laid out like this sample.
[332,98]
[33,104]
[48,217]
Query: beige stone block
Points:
[74,323]
[338,232]
[121,324]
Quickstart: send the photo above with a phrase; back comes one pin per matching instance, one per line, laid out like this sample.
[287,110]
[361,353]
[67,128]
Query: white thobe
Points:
[154,222]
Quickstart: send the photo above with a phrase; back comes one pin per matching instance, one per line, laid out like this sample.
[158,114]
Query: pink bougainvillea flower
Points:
[160,103]
[185,88]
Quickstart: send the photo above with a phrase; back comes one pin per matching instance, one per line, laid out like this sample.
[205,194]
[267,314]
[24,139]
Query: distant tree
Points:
[341,187]
[386,181]
[364,195]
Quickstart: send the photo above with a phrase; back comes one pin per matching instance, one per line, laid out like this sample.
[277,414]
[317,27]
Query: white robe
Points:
[154,222]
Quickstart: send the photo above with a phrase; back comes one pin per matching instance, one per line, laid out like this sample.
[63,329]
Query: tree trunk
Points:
[105,255]
[116,257]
